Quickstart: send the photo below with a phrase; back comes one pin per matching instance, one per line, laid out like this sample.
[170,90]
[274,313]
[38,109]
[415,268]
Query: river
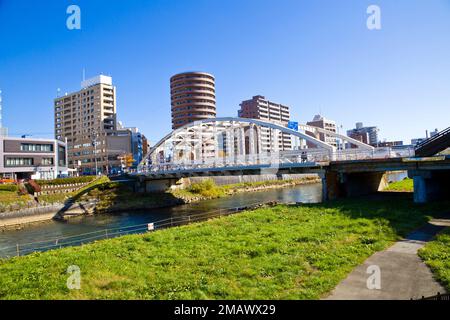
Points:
[51,230]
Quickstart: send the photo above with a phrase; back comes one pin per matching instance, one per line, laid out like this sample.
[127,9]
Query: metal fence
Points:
[438,297]
[21,249]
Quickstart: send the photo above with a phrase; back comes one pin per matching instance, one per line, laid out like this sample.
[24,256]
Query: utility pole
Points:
[94,136]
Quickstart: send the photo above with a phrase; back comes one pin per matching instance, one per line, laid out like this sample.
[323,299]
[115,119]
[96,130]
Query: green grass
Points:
[8,198]
[9,188]
[284,252]
[406,185]
[436,254]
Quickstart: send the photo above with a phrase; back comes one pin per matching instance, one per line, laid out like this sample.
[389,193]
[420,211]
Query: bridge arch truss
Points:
[224,142]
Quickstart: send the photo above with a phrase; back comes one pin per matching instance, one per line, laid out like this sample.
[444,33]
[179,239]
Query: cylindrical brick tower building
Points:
[193,97]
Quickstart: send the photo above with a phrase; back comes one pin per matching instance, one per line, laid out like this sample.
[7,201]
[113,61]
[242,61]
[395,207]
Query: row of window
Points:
[36,147]
[26,162]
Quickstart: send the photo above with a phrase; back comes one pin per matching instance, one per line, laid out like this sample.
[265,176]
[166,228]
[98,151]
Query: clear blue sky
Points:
[313,55]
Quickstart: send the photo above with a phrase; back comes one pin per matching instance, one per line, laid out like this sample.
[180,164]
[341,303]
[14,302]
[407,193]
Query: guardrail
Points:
[433,138]
[438,297]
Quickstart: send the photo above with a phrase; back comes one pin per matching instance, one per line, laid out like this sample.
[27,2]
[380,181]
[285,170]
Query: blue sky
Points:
[313,55]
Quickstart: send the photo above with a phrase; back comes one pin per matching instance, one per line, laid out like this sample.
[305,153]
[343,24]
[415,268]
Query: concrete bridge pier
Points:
[162,185]
[430,185]
[338,185]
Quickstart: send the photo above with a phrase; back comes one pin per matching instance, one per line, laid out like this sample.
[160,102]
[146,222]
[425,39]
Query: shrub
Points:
[59,181]
[206,188]
[9,187]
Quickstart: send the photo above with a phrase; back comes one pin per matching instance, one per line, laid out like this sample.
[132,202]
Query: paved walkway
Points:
[403,273]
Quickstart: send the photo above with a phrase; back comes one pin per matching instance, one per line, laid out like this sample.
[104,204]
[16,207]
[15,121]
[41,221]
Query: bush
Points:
[206,188]
[59,181]
[9,187]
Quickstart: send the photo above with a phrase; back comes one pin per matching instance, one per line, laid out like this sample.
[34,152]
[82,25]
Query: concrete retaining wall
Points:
[38,214]
[250,178]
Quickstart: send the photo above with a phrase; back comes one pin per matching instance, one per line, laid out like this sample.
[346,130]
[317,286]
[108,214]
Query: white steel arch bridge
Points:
[241,142]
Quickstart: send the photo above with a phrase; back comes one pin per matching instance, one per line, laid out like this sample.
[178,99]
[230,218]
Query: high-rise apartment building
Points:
[260,108]
[193,97]
[367,135]
[87,119]
[323,123]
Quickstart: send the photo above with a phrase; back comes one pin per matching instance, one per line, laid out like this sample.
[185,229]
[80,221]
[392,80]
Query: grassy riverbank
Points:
[436,254]
[11,200]
[405,185]
[284,252]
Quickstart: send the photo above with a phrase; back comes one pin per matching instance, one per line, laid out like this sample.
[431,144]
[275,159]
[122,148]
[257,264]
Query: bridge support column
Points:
[429,185]
[338,185]
[331,189]
[154,186]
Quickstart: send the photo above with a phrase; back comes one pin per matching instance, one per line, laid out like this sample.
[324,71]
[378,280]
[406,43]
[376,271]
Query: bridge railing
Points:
[269,159]
[377,153]
[274,159]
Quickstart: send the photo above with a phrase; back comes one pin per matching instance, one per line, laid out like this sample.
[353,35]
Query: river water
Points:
[311,193]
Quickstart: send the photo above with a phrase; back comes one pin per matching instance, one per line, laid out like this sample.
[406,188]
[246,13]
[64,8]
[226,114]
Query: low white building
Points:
[24,158]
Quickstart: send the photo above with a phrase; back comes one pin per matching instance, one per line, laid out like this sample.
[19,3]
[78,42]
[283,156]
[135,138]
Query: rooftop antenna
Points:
[84,74]
[58,92]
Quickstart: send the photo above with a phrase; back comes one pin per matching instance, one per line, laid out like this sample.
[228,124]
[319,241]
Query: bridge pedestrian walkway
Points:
[434,145]
[404,275]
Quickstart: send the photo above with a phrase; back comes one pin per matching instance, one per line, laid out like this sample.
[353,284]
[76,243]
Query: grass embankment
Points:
[436,254]
[62,197]
[11,199]
[285,252]
[405,185]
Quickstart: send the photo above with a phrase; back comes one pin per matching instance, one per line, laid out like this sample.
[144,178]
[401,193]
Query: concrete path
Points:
[403,273]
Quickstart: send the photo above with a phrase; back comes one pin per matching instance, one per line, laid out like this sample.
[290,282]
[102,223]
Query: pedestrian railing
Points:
[439,297]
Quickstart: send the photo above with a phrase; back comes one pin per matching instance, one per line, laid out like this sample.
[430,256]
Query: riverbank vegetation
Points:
[207,189]
[282,252]
[436,254]
[113,197]
[62,181]
[11,199]
[405,185]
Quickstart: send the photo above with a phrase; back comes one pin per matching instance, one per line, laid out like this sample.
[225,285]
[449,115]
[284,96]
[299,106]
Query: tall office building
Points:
[323,123]
[367,135]
[87,119]
[260,108]
[193,97]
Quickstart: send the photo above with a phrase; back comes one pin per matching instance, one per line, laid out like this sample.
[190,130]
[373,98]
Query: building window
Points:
[61,156]
[36,147]
[47,161]
[19,162]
